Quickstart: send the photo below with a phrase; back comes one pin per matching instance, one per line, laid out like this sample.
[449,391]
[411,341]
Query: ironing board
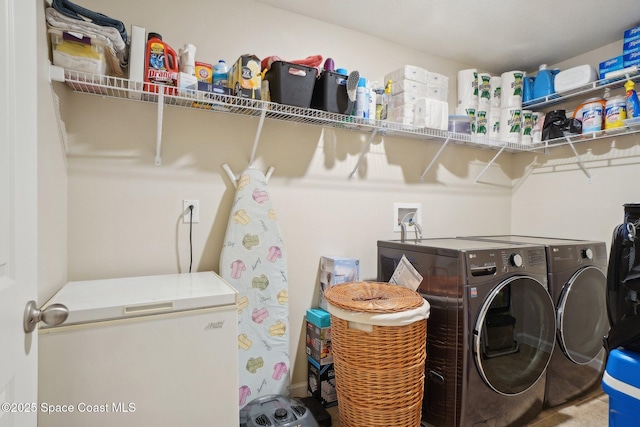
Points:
[253,261]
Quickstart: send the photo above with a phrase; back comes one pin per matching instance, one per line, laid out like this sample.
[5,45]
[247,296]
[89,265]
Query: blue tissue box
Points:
[621,381]
[632,34]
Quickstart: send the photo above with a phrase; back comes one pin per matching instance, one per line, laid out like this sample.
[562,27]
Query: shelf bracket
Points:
[365,150]
[580,162]
[428,168]
[159,127]
[258,132]
[489,164]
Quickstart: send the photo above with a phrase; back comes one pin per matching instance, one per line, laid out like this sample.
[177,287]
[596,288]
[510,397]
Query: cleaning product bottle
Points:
[543,83]
[220,73]
[162,65]
[633,107]
[362,104]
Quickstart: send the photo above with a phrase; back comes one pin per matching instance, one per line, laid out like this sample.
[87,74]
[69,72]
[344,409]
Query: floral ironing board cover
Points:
[254,262]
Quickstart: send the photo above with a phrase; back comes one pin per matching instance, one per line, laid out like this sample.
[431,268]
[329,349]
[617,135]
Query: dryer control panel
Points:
[506,261]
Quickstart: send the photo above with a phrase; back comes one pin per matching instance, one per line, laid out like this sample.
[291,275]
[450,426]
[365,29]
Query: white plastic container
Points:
[574,78]
[615,112]
[591,114]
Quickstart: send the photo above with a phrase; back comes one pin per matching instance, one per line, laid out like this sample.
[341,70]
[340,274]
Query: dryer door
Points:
[514,335]
[581,317]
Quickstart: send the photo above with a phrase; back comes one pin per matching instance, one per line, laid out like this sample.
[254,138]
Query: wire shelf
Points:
[115,87]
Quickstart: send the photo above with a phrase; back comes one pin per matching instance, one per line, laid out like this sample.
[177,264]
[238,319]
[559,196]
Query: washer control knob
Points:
[587,254]
[515,260]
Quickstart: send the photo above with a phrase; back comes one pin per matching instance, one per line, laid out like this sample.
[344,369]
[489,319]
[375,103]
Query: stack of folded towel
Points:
[105,39]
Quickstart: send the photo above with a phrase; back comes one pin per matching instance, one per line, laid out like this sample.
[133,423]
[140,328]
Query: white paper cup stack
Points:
[526,129]
[484,89]
[511,89]
[496,91]
[510,124]
[468,88]
[482,121]
[494,123]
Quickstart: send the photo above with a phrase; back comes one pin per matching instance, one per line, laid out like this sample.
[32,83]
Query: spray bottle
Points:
[633,106]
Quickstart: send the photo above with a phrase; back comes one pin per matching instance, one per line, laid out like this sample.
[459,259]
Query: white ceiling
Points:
[492,35]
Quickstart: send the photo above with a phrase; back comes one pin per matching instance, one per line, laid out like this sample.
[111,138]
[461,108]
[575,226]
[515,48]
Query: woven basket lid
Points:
[373,297]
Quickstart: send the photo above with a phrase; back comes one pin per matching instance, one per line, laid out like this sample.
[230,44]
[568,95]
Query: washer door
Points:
[514,335]
[581,317]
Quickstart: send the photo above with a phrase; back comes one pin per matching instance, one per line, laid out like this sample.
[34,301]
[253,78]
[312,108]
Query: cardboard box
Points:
[245,79]
[207,94]
[204,72]
[631,47]
[631,34]
[609,65]
[631,59]
[322,383]
[319,336]
[336,270]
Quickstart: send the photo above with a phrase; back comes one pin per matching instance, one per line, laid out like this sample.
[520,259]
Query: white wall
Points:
[52,182]
[553,197]
[124,213]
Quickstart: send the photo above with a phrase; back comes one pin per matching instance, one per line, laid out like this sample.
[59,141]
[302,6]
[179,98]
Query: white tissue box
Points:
[431,113]
[402,114]
[409,72]
[437,92]
[412,86]
[407,99]
[438,80]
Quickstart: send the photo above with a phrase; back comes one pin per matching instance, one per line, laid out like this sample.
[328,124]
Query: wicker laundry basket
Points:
[378,338]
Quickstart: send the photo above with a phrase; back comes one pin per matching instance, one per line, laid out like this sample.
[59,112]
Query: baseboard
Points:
[298,389]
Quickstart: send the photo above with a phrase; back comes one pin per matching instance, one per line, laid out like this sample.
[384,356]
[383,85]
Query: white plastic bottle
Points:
[220,72]
[362,103]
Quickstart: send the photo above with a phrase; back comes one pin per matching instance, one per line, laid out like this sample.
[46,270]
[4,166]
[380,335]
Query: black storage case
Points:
[330,94]
[291,84]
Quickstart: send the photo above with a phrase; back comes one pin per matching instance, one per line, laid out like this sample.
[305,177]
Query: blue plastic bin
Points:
[621,381]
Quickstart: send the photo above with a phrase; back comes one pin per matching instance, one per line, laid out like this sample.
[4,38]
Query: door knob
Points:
[53,315]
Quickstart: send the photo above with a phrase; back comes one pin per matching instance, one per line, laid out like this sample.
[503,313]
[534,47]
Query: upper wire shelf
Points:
[115,87]
[556,98]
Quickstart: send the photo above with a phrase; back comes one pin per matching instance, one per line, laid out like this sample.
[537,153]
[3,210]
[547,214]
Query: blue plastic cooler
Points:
[621,381]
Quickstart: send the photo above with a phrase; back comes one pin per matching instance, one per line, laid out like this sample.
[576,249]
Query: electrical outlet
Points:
[186,213]
[404,212]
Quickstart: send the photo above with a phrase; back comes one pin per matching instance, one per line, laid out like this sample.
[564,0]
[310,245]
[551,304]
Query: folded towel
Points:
[74,11]
[117,50]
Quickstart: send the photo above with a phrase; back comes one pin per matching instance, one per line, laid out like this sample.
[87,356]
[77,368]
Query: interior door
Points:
[18,211]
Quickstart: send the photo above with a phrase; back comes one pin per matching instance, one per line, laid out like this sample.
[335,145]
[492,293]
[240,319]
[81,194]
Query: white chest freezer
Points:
[141,351]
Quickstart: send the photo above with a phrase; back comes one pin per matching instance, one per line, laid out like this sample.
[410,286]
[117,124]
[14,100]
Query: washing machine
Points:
[490,334]
[577,285]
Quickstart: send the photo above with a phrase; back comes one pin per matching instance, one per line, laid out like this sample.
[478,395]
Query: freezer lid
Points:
[108,299]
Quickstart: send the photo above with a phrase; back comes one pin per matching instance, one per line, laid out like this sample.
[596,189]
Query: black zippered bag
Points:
[623,282]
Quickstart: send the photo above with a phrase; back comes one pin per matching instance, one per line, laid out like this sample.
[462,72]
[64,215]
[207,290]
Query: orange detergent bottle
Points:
[162,65]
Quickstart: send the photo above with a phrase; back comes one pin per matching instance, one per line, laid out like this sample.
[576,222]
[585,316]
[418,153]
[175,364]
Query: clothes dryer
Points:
[578,285]
[490,333]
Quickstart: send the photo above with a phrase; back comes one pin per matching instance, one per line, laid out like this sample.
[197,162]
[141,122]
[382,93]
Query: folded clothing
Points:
[74,11]
[116,50]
